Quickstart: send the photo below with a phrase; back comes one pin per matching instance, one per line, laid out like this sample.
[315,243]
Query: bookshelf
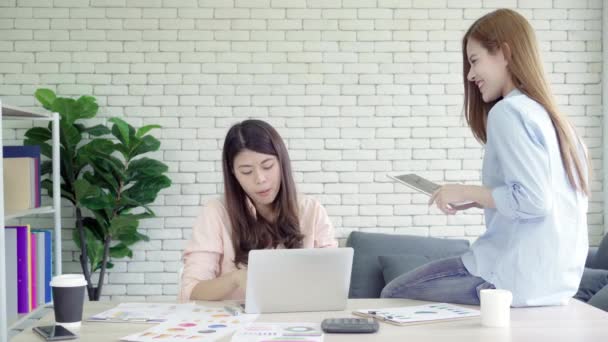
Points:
[15,113]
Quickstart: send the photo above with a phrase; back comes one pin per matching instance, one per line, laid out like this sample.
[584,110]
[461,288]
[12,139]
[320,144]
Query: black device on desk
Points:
[54,333]
[350,325]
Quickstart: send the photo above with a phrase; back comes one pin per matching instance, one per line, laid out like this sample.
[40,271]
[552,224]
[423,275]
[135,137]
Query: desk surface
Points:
[574,322]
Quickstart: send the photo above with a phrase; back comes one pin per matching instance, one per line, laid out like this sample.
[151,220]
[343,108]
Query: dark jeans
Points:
[445,280]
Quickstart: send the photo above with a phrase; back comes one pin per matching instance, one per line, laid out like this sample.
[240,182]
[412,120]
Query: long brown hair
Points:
[507,28]
[248,231]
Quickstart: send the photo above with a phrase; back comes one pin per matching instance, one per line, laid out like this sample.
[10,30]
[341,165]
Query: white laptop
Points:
[293,280]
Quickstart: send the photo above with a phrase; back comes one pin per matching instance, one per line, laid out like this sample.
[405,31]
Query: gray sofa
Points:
[379,258]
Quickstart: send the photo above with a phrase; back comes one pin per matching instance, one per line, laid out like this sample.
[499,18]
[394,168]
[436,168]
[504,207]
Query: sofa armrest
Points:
[591,257]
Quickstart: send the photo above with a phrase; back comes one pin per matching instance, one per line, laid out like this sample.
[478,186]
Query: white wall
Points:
[356,88]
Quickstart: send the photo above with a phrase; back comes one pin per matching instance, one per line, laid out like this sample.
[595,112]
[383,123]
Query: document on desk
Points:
[143,312]
[260,332]
[203,324]
[419,314]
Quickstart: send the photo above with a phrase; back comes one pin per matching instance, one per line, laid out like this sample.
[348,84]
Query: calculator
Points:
[350,325]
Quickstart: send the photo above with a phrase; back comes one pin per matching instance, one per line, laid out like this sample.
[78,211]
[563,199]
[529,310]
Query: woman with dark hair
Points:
[260,209]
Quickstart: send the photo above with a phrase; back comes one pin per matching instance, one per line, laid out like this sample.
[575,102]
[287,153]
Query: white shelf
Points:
[30,212]
[12,113]
[36,314]
[15,113]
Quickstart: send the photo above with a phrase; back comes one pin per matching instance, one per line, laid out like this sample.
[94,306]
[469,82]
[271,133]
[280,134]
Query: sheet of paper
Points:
[268,332]
[201,324]
[421,313]
[143,312]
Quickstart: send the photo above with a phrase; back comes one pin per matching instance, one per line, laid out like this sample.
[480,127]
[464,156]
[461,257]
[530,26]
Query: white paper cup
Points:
[68,299]
[495,307]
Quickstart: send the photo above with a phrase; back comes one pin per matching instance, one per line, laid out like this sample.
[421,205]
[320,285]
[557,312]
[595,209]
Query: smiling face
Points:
[259,175]
[488,71]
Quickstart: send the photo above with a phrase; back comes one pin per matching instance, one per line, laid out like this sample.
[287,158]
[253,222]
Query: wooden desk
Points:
[574,322]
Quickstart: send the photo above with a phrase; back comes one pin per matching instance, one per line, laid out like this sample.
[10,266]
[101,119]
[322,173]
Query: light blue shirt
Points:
[536,241]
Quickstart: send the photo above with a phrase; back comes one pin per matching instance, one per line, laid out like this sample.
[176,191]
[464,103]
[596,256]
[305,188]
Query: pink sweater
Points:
[209,252]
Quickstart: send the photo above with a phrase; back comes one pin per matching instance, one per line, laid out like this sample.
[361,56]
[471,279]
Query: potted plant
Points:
[106,178]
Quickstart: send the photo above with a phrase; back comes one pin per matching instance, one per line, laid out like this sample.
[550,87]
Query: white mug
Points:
[495,307]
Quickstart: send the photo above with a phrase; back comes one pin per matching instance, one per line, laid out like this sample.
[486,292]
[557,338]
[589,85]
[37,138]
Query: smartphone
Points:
[54,333]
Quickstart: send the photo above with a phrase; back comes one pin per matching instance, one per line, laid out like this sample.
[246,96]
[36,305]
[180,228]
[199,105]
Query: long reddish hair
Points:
[507,28]
[248,231]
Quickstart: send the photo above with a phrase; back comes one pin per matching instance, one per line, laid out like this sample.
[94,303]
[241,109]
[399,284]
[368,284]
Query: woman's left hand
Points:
[449,193]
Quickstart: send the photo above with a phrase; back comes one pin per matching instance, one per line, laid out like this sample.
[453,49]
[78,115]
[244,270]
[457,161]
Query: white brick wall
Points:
[357,88]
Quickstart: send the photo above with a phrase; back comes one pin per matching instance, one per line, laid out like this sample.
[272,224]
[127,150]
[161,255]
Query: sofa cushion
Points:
[367,279]
[600,299]
[600,261]
[591,283]
[396,265]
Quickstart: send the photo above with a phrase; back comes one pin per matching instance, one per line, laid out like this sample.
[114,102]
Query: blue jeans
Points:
[445,280]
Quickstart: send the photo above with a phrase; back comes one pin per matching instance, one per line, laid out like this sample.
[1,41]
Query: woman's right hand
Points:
[239,278]
[466,206]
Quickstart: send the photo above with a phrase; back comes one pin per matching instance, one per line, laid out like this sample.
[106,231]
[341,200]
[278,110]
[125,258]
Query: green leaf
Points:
[87,107]
[130,238]
[120,251]
[70,136]
[146,190]
[46,97]
[145,167]
[127,203]
[108,173]
[145,129]
[94,247]
[40,134]
[98,130]
[46,167]
[67,109]
[102,219]
[95,227]
[124,150]
[120,225]
[47,185]
[97,203]
[146,144]
[99,146]
[120,130]
[84,189]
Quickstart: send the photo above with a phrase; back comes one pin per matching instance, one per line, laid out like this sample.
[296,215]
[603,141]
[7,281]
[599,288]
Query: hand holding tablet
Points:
[428,187]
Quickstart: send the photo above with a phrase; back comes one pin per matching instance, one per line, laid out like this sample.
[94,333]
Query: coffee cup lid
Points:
[68,280]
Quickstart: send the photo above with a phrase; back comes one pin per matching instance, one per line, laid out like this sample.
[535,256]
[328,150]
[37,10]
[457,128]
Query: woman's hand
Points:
[448,196]
[239,278]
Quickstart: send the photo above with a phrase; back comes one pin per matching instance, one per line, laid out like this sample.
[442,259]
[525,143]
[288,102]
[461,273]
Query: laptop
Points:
[295,280]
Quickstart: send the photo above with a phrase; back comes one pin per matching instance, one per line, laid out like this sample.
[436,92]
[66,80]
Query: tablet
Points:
[417,183]
[426,187]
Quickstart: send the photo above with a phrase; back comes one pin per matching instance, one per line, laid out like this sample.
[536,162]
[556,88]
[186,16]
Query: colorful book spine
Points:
[33,271]
[45,264]
[48,265]
[12,260]
[23,264]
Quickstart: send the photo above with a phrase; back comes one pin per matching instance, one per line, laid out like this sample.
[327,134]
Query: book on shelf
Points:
[11,260]
[21,178]
[23,265]
[45,264]
[33,275]
[29,268]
